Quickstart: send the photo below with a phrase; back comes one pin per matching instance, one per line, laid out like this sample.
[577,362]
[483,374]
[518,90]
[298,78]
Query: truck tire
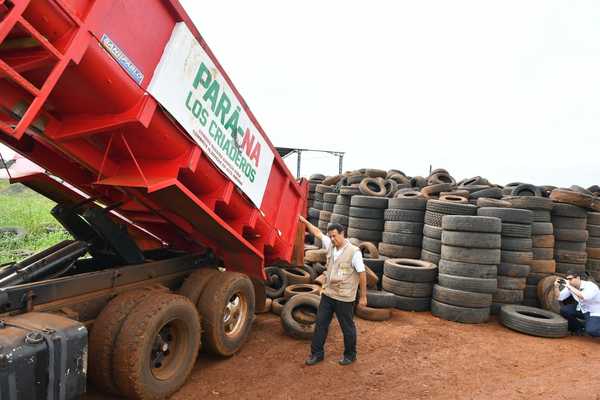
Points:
[477,285]
[277,281]
[104,334]
[542,241]
[533,321]
[403,239]
[404,215]
[302,288]
[295,328]
[466,223]
[414,228]
[366,223]
[380,299]
[568,223]
[514,270]
[432,245]
[372,187]
[472,239]
[368,250]
[568,210]
[363,212]
[277,305]
[571,235]
[461,298]
[483,271]
[369,202]
[516,257]
[141,371]
[471,255]
[396,251]
[508,296]
[542,228]
[373,314]
[433,232]
[517,244]
[227,310]
[465,315]
[194,284]
[407,289]
[296,275]
[516,230]
[511,283]
[365,234]
[451,208]
[430,256]
[404,269]
[407,203]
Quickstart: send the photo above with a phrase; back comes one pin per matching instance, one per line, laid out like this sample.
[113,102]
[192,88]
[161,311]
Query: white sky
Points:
[509,90]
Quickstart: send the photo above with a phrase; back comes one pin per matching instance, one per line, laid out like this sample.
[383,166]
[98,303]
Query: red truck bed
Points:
[125,101]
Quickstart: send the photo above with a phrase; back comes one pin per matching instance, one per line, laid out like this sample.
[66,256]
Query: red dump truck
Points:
[173,194]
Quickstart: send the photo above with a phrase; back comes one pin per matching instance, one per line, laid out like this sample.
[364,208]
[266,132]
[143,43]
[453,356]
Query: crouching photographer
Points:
[584,313]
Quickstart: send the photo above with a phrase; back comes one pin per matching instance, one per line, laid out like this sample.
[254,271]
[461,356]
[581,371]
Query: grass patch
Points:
[21,207]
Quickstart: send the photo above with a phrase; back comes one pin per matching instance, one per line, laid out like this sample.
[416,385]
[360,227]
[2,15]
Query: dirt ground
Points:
[412,356]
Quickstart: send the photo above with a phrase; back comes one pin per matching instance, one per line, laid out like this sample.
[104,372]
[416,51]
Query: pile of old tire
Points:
[365,222]
[341,209]
[468,268]
[593,245]
[542,240]
[571,235]
[432,230]
[409,281]
[403,227]
[325,206]
[533,321]
[516,254]
[313,181]
[299,315]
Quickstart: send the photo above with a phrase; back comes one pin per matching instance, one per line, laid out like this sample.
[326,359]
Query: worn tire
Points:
[464,223]
[430,257]
[363,212]
[471,255]
[513,270]
[516,230]
[295,328]
[512,283]
[573,257]
[543,241]
[461,298]
[277,305]
[542,228]
[366,223]
[407,289]
[373,314]
[533,321]
[368,250]
[459,314]
[404,215]
[131,362]
[433,218]
[516,257]
[212,307]
[477,285]
[403,239]
[302,288]
[296,275]
[468,270]
[397,251]
[561,223]
[408,270]
[372,187]
[407,203]
[412,303]
[517,244]
[432,245]
[451,208]
[340,219]
[471,239]
[414,228]
[277,280]
[380,299]
[369,202]
[508,296]
[571,235]
[365,234]
[508,215]
[530,202]
[104,334]
[433,232]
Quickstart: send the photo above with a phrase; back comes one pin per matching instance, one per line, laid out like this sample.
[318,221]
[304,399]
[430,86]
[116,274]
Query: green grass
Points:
[23,208]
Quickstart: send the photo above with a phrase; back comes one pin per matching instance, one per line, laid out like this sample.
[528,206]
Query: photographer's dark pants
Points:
[591,325]
[344,312]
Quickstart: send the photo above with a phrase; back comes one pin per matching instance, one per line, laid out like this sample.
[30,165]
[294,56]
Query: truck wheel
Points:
[227,309]
[103,337]
[195,283]
[157,347]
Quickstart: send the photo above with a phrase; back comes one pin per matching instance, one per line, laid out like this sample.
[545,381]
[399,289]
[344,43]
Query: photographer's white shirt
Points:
[591,298]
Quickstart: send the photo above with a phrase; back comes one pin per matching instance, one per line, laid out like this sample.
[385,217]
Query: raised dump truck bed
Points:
[174,196]
[125,101]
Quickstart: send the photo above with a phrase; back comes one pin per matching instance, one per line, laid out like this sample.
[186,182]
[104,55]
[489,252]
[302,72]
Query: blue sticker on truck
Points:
[120,56]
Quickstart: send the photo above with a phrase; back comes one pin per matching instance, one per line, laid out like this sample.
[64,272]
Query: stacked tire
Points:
[325,207]
[410,281]
[516,254]
[432,230]
[365,222]
[313,181]
[571,236]
[542,239]
[341,209]
[468,268]
[403,228]
[593,245]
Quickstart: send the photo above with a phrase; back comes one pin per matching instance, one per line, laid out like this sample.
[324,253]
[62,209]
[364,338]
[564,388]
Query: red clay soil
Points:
[412,356]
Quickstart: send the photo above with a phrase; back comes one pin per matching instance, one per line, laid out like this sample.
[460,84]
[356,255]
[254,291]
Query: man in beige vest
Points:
[345,271]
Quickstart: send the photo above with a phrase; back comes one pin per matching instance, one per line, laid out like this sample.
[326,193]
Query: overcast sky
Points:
[509,90]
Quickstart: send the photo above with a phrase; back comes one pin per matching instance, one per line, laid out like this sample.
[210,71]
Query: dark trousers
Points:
[591,325]
[344,312]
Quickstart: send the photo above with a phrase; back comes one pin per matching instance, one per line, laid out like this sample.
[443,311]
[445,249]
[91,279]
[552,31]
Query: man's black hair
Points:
[335,226]
[576,273]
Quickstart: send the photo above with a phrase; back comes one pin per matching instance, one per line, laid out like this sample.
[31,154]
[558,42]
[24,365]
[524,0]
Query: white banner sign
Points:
[188,84]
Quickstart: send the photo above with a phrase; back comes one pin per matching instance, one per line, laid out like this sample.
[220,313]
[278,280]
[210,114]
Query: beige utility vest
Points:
[342,278]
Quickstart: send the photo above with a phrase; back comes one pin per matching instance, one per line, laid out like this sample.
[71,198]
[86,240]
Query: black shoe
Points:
[346,361]
[312,360]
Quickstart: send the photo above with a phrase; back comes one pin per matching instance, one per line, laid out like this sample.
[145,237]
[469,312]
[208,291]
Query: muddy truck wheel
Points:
[104,333]
[157,347]
[227,309]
